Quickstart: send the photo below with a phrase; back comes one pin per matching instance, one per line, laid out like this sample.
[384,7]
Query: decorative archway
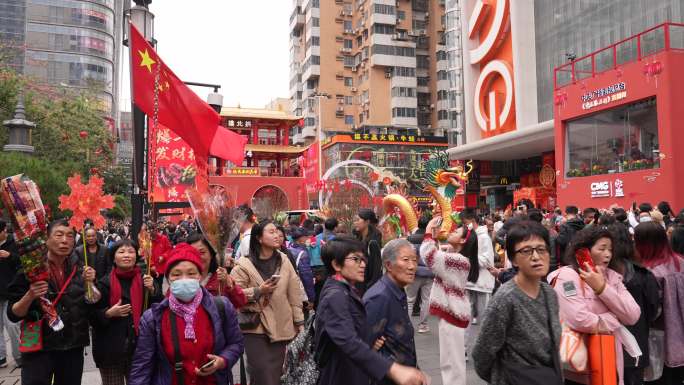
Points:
[268,200]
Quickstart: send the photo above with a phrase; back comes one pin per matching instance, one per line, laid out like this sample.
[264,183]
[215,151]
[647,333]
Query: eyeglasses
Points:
[357,259]
[527,252]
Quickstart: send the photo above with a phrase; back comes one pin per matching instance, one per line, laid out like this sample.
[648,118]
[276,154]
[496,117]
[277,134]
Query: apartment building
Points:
[370,66]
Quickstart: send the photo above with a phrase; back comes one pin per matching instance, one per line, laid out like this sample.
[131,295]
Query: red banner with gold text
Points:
[172,167]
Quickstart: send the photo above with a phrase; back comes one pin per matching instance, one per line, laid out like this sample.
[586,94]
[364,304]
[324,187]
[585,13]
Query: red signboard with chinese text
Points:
[172,167]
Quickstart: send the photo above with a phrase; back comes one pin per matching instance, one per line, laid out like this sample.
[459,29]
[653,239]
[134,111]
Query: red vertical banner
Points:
[311,166]
[172,167]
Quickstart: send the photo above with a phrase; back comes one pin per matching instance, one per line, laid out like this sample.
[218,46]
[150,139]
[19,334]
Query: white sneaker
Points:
[423,329]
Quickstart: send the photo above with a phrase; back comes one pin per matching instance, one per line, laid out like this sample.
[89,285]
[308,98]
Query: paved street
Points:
[427,346]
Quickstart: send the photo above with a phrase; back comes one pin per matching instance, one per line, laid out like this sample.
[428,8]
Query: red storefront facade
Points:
[618,122]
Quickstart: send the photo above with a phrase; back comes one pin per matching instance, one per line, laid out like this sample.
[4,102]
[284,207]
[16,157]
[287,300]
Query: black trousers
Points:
[66,366]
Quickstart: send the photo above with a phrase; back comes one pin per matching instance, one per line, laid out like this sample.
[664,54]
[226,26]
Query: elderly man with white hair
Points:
[386,304]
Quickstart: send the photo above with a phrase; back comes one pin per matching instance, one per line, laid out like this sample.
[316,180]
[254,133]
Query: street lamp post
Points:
[140,17]
[319,130]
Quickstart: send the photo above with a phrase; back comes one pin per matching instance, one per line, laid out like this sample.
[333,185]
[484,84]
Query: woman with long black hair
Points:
[273,314]
[366,231]
[448,300]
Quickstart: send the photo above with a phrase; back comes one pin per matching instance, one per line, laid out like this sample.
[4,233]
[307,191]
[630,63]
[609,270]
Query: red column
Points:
[286,134]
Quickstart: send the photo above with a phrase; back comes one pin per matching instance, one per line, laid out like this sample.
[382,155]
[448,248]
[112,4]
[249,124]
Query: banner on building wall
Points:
[172,167]
[310,167]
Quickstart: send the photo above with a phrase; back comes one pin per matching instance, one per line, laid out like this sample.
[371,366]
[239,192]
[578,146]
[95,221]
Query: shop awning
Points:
[524,143]
[275,149]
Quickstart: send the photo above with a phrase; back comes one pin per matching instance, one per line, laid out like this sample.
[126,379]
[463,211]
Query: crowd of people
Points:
[506,289]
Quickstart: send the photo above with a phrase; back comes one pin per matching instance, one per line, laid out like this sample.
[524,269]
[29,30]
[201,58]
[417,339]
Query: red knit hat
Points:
[183,252]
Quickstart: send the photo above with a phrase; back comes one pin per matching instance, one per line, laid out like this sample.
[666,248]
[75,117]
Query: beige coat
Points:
[283,307]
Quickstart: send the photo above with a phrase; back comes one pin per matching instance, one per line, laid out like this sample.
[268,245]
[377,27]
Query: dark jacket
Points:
[373,248]
[97,260]
[114,339]
[416,240]
[304,269]
[643,286]
[387,316]
[341,339]
[565,234]
[150,366]
[72,309]
[8,266]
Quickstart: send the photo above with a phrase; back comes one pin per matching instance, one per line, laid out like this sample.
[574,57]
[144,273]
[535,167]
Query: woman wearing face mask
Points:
[594,300]
[521,327]
[190,330]
[117,320]
[212,274]
[365,229]
[273,314]
[448,301]
[345,358]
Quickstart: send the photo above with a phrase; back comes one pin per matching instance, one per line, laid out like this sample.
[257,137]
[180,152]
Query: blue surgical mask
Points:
[185,289]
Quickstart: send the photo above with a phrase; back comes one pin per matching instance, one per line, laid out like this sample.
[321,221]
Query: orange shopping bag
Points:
[602,360]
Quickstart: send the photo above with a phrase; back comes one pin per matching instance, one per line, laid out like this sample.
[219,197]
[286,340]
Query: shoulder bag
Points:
[521,374]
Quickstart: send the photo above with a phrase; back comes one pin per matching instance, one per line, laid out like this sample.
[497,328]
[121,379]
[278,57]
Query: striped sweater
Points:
[448,299]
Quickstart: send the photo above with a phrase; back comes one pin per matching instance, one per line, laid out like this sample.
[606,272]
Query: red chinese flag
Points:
[179,108]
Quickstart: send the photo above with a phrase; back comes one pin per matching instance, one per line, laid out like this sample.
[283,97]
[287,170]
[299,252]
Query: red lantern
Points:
[386,180]
[83,134]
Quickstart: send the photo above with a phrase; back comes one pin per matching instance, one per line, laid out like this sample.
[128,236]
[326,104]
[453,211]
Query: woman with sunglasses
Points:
[343,355]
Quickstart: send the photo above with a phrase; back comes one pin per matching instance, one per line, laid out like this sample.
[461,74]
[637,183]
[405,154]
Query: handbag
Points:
[31,336]
[248,320]
[521,374]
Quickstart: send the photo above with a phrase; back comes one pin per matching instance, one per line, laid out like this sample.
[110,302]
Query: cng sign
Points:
[494,105]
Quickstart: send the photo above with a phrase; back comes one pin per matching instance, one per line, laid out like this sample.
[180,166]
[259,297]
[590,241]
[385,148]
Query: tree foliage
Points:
[70,136]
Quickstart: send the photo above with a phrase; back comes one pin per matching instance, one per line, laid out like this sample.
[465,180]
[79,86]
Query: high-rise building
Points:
[371,66]
[72,43]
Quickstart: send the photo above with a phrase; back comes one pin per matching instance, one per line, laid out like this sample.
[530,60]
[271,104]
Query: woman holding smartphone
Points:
[591,295]
[273,314]
[190,337]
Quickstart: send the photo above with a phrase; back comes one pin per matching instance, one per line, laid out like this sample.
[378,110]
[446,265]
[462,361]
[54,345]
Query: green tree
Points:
[70,137]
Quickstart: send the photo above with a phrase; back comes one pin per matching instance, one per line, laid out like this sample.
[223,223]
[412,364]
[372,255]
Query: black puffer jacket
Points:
[8,266]
[114,339]
[642,285]
[97,260]
[72,309]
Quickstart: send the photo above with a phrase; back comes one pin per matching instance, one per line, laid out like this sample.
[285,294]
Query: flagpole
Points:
[140,16]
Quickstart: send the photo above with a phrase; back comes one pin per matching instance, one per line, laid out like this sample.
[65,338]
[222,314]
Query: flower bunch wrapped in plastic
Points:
[21,198]
[217,217]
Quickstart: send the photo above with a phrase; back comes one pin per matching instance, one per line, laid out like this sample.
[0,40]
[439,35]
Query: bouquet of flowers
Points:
[217,217]
[21,198]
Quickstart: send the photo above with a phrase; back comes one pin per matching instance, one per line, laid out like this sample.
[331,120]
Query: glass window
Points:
[70,12]
[401,15]
[348,25]
[348,82]
[618,140]
[349,119]
[348,43]
[384,9]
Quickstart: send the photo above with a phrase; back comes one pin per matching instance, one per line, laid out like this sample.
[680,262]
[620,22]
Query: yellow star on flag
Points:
[146,60]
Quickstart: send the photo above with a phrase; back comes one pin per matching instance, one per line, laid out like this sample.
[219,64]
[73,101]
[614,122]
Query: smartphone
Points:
[275,277]
[583,257]
[207,365]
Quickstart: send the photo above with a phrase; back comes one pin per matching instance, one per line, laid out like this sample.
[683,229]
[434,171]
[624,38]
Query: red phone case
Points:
[583,257]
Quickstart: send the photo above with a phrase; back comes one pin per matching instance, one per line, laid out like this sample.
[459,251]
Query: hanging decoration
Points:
[85,202]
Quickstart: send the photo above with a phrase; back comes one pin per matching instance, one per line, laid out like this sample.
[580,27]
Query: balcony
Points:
[664,37]
[308,132]
[297,20]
